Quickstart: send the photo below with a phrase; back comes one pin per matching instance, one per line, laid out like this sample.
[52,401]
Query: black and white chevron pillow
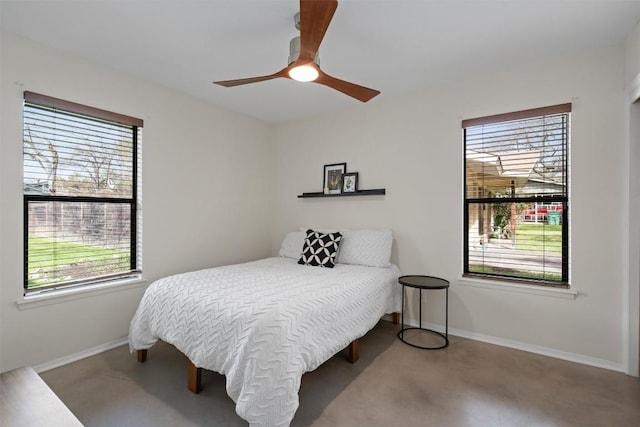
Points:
[320,249]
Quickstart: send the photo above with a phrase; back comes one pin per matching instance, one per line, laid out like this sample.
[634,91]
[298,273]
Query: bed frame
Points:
[194,382]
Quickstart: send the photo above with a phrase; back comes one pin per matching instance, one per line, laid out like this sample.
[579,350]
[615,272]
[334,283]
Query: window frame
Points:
[89,112]
[564,109]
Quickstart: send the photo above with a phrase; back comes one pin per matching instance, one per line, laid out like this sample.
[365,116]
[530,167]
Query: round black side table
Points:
[425,283]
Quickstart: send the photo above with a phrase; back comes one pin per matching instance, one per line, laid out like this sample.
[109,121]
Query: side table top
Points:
[424,282]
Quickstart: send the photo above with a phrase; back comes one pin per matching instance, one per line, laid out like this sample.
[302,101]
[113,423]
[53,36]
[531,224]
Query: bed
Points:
[264,323]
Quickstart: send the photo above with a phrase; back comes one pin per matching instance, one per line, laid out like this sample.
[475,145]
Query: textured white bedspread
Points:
[264,323]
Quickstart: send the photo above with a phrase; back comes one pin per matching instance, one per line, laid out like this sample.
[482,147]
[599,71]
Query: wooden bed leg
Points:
[142,356]
[395,318]
[195,378]
[354,351]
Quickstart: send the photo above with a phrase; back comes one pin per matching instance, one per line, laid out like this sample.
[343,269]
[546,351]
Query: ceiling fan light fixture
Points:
[304,73]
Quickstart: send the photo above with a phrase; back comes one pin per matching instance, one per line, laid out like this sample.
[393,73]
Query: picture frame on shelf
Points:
[332,178]
[350,182]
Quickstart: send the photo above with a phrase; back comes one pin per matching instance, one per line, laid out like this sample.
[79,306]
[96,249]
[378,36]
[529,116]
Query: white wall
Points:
[205,195]
[631,298]
[196,216]
[413,148]
[632,49]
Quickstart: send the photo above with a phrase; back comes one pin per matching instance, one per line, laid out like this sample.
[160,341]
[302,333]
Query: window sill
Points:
[64,295]
[523,289]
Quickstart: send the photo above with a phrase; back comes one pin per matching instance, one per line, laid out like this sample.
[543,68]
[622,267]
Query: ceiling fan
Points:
[312,21]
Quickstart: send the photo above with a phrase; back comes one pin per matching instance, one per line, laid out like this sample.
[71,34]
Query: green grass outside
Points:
[73,261]
[539,238]
[530,239]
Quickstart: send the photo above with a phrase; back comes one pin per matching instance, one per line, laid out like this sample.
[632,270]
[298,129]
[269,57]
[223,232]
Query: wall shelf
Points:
[374,192]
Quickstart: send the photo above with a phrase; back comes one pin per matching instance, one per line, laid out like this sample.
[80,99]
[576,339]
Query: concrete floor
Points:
[467,384]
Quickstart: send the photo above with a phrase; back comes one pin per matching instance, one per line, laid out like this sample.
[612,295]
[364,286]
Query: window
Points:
[516,199]
[80,194]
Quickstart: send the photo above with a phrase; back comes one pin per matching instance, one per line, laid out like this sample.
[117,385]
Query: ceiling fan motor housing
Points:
[294,51]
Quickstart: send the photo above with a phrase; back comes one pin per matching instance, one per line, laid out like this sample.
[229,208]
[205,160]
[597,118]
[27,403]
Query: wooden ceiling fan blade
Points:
[239,82]
[358,92]
[315,17]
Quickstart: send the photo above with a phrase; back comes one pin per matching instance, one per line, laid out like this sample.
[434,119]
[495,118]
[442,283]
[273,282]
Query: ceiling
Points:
[395,46]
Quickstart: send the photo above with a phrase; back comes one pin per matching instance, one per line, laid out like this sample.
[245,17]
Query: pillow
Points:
[368,247]
[320,249]
[292,244]
[371,248]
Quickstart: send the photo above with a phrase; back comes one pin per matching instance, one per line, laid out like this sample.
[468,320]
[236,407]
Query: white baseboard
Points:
[518,345]
[80,355]
[531,348]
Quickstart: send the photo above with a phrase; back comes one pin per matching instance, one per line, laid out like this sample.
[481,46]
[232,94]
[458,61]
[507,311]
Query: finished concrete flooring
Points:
[467,384]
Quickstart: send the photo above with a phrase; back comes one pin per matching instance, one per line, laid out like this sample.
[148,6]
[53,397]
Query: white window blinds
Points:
[80,193]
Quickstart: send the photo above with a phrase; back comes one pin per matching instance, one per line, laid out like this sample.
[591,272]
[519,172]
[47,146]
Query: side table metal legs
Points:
[445,336]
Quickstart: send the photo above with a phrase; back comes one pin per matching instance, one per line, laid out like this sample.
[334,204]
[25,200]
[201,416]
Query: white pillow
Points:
[292,245]
[366,247]
[369,247]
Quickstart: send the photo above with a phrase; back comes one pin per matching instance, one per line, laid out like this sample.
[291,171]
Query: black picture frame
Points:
[332,178]
[350,182]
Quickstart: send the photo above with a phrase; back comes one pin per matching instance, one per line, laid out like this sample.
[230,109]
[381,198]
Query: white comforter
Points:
[264,323]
